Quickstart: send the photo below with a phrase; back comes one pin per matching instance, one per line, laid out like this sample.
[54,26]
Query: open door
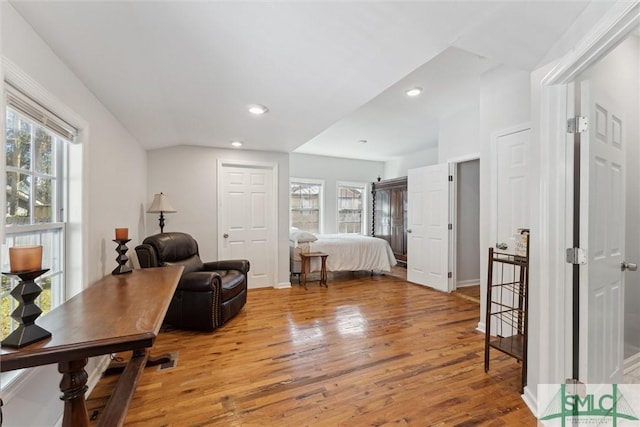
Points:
[602,235]
[428,226]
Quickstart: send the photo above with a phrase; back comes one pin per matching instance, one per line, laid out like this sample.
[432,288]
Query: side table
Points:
[305,265]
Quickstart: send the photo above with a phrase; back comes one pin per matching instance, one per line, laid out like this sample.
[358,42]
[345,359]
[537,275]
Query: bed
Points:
[347,252]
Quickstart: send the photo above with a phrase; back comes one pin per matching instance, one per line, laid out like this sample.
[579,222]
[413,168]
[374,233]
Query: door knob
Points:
[502,246]
[408,230]
[225,235]
[624,265]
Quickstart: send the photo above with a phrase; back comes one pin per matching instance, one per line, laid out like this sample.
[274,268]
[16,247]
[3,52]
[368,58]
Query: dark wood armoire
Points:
[389,199]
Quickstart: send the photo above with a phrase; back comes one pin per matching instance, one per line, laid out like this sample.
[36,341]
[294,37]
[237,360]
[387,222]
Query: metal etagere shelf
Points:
[507,306]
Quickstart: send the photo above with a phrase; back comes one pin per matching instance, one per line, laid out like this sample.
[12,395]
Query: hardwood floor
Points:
[472,293]
[367,351]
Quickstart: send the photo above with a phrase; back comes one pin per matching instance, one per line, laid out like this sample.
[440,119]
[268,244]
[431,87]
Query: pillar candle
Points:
[25,258]
[122,233]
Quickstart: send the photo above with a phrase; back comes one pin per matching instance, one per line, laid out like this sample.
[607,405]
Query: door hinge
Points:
[577,124]
[450,178]
[450,226]
[576,256]
[450,275]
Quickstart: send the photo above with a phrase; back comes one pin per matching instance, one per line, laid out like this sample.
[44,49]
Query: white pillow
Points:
[302,236]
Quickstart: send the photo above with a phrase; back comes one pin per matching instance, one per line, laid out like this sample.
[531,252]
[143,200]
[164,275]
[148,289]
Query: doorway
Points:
[466,220]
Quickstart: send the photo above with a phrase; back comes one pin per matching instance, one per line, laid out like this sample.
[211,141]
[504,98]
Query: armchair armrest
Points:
[241,265]
[147,256]
[200,281]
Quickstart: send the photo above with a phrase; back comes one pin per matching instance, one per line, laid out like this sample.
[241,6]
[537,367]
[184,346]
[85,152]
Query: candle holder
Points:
[27,311]
[122,257]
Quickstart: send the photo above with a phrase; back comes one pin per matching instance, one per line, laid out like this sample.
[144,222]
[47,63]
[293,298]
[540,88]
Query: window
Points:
[306,205]
[35,149]
[351,202]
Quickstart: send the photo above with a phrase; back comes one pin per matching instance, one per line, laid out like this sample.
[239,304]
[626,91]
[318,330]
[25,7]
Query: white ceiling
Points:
[331,73]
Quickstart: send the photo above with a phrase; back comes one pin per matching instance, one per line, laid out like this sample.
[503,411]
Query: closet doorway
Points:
[467,223]
[465,207]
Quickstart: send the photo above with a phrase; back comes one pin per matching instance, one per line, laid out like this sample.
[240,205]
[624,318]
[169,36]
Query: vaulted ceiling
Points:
[330,73]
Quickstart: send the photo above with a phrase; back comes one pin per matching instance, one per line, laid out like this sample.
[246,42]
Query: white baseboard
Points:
[531,400]
[282,285]
[465,283]
[481,327]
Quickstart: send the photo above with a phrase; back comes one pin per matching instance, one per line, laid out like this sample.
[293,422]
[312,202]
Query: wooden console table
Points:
[117,313]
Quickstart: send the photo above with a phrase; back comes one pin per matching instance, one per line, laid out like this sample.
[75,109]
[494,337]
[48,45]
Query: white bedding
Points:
[349,252]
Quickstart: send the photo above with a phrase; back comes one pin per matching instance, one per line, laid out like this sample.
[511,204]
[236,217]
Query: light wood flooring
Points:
[367,351]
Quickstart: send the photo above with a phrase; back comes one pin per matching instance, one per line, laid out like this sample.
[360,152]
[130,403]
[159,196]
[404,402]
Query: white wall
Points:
[504,103]
[114,180]
[188,175]
[333,170]
[399,167]
[459,134]
[619,73]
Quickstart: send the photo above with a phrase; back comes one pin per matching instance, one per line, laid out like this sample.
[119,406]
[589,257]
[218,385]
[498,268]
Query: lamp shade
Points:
[160,204]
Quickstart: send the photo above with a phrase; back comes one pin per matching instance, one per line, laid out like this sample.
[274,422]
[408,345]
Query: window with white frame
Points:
[305,199]
[351,207]
[36,143]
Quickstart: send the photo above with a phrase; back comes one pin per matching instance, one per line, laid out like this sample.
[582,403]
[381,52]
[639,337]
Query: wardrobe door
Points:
[398,237]
[390,214]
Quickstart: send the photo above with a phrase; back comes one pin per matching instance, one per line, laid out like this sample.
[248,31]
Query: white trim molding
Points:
[613,28]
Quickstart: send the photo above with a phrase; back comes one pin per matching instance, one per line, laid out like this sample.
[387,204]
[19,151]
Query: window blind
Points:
[41,115]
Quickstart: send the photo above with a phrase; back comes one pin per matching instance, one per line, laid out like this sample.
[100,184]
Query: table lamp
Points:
[161,205]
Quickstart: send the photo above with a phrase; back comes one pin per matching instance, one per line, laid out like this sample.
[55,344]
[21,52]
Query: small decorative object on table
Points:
[122,237]
[26,265]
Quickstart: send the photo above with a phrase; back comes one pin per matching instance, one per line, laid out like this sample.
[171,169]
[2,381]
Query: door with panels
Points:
[428,228]
[247,218]
[602,234]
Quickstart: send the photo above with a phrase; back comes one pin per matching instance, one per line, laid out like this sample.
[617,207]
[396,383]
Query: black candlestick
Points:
[122,257]
[27,311]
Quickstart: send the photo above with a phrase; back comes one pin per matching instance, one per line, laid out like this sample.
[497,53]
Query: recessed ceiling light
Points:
[257,109]
[363,141]
[414,91]
[236,143]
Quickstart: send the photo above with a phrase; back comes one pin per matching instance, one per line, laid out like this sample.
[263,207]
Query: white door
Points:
[512,175]
[428,231]
[247,218]
[602,212]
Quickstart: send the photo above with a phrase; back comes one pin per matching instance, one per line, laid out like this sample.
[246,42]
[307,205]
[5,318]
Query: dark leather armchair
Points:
[209,293]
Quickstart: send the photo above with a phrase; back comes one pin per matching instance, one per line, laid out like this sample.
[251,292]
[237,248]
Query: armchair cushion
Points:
[232,283]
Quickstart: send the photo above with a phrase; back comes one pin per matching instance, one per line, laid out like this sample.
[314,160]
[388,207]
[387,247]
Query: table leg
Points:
[303,272]
[73,386]
[323,272]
